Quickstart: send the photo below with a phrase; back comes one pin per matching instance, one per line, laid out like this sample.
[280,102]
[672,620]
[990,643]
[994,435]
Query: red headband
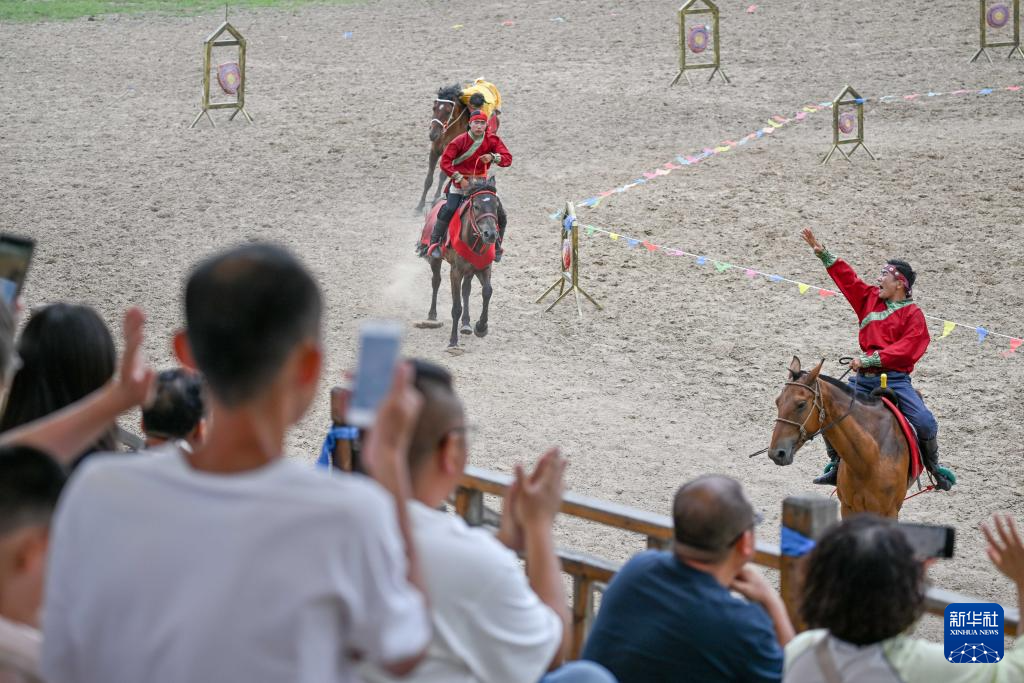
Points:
[891,269]
[478,116]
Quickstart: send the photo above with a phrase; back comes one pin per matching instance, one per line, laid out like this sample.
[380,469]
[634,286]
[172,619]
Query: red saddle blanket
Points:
[453,240]
[916,464]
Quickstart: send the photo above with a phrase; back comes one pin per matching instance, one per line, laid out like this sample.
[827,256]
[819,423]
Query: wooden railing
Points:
[809,516]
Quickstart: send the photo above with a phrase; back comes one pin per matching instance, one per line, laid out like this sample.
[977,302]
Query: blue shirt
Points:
[662,620]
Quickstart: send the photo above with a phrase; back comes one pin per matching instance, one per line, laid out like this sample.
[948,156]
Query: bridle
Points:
[820,405]
[476,231]
[445,125]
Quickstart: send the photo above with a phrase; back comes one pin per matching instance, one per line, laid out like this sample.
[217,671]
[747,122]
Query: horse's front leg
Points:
[456,281]
[431,165]
[485,284]
[435,283]
[467,287]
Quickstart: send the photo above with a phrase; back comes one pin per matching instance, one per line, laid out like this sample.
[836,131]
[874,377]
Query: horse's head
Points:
[800,413]
[483,213]
[445,105]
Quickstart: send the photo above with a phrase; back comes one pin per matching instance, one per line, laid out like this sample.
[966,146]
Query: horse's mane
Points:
[450,92]
[845,388]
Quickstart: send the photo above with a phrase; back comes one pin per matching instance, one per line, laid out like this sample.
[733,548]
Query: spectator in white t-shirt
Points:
[30,483]
[234,563]
[492,623]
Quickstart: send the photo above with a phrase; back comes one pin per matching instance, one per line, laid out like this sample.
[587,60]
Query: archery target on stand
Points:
[229,76]
[698,39]
[566,255]
[847,122]
[997,15]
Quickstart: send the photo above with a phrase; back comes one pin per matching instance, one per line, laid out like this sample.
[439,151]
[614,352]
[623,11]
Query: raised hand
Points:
[1005,547]
[811,240]
[135,382]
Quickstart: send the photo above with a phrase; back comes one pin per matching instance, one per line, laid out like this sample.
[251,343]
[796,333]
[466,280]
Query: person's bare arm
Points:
[539,500]
[751,585]
[386,460]
[71,430]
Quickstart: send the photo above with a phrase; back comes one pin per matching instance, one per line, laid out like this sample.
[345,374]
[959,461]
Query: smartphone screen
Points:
[380,342]
[929,540]
[15,255]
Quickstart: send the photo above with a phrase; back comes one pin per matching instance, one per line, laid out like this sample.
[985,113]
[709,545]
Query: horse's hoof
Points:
[480,330]
[455,351]
[428,324]
[465,329]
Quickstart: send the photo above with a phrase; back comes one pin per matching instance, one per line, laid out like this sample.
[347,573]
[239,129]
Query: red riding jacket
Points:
[470,166]
[893,335]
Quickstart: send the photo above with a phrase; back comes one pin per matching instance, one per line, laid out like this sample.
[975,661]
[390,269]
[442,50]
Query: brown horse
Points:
[874,454]
[478,231]
[451,117]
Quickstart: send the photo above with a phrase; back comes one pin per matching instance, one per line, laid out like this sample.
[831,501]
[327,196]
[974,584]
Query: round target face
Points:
[230,77]
[847,121]
[698,39]
[566,255]
[997,15]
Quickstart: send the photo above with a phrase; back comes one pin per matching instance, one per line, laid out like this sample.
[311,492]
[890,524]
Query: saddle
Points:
[889,398]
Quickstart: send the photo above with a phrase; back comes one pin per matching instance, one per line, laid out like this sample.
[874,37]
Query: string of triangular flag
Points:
[948,326]
[773,124]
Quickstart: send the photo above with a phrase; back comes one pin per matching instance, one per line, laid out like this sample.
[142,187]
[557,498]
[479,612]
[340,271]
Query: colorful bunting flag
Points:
[722,267]
[947,327]
[982,333]
[802,287]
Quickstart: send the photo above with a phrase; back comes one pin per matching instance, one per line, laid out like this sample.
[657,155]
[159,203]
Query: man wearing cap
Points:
[466,160]
[670,616]
[893,337]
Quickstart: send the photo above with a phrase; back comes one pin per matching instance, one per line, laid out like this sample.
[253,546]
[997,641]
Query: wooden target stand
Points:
[230,76]
[569,263]
[696,40]
[845,123]
[996,15]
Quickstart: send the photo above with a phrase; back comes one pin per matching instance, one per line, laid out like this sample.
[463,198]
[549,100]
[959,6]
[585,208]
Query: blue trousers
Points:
[580,671]
[913,407]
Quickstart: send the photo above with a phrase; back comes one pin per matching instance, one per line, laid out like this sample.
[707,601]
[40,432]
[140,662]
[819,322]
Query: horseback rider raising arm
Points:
[893,337]
[466,161]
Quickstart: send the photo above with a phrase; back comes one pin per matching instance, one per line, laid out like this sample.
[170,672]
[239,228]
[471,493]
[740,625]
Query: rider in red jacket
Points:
[466,160]
[893,337]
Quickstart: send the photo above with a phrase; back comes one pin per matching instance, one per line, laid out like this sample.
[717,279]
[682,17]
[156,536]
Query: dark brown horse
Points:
[451,117]
[478,231]
[874,456]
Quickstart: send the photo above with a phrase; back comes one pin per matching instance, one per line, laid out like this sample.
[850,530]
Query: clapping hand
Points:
[540,493]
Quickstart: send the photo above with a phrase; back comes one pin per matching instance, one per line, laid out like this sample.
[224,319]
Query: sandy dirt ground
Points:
[677,376]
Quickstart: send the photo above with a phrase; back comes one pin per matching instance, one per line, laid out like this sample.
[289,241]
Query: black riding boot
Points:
[930,454]
[830,477]
[444,216]
[502,222]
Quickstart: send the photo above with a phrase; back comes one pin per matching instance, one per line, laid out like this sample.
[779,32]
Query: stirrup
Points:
[436,252]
